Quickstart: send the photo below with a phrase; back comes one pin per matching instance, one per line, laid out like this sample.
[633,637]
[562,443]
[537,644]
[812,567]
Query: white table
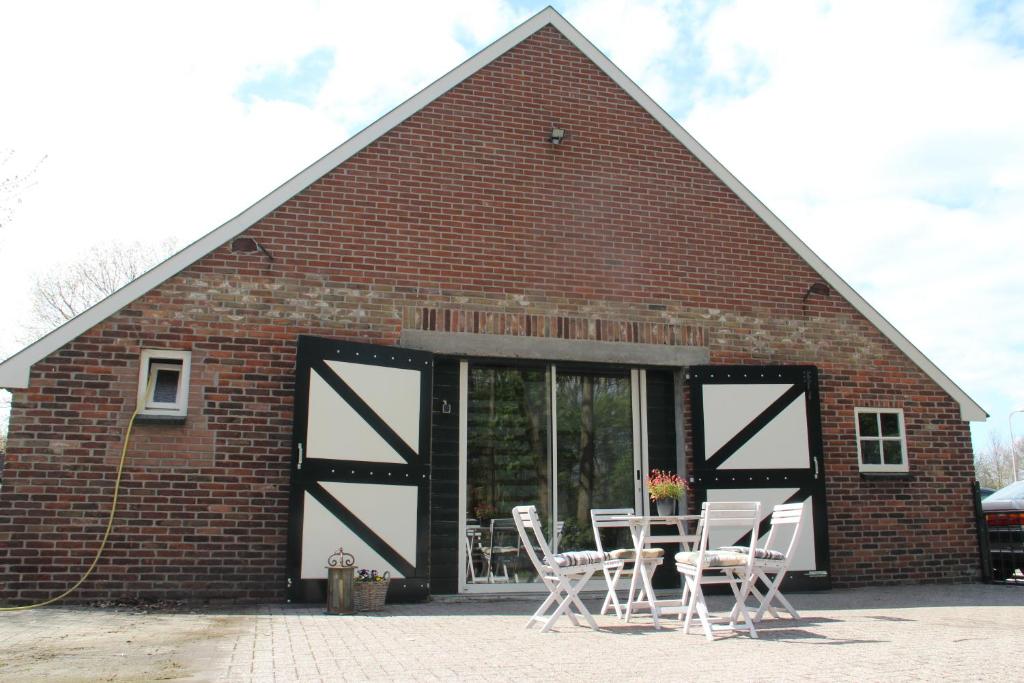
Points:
[640,529]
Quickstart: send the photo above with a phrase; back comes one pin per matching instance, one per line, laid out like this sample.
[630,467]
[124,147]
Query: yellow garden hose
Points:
[110,520]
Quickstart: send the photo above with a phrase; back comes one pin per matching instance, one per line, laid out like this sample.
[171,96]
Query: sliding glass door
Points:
[561,438]
[595,459]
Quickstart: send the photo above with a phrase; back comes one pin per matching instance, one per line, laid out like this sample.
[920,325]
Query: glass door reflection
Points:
[595,460]
[508,463]
[559,438]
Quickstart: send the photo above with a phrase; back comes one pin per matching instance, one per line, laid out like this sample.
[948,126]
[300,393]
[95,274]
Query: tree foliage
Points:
[993,465]
[67,291]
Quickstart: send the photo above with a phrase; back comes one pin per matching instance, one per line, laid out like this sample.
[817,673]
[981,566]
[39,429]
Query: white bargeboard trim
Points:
[14,372]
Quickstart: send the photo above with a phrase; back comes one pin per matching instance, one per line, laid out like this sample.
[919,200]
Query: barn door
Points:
[360,464]
[757,436]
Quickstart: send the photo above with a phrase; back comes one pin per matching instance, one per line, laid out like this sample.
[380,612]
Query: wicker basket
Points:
[368,596]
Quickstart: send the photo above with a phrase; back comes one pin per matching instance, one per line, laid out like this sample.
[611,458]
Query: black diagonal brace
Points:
[365,412]
[802,494]
[365,533]
[755,425]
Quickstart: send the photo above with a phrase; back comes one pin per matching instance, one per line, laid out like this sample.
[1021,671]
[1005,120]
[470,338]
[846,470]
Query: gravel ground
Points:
[960,632]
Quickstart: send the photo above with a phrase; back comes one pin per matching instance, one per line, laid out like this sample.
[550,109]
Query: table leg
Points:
[649,590]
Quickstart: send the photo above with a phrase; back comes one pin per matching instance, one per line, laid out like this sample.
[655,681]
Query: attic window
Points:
[163,383]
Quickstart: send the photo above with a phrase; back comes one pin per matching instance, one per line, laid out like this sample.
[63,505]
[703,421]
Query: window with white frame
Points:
[881,440]
[163,382]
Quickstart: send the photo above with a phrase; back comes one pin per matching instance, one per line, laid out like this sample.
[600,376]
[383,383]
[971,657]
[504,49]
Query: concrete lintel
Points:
[543,348]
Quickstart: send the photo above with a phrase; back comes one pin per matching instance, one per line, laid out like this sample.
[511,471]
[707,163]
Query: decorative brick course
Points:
[521,324]
[463,209]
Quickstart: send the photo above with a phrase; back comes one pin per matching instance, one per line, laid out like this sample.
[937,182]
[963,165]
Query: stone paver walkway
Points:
[964,632]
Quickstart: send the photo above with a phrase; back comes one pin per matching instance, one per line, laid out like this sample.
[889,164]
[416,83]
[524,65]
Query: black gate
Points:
[360,464]
[757,436]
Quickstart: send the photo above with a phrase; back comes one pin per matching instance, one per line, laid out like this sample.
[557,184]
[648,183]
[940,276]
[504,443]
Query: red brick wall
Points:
[464,206]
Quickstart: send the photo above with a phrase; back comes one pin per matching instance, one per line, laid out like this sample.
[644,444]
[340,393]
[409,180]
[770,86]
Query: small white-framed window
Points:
[881,440]
[163,382]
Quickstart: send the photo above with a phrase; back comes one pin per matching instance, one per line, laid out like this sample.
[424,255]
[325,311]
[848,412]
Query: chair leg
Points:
[646,569]
[691,603]
[543,608]
[569,599]
[556,587]
[574,596]
[774,594]
[702,611]
[632,591]
[612,598]
[740,589]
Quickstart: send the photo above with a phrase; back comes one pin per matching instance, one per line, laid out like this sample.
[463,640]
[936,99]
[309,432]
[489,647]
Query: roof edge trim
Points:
[15,371]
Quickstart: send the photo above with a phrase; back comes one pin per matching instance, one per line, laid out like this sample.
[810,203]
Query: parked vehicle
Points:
[1004,515]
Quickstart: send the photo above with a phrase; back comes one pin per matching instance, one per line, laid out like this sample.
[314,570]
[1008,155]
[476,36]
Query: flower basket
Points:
[368,596]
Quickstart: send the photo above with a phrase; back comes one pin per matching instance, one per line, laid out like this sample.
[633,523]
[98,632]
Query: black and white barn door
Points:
[360,464]
[757,436]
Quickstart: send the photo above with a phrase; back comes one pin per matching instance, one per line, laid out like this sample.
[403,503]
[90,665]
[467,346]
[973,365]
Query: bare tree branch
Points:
[993,465]
[13,184]
[61,295]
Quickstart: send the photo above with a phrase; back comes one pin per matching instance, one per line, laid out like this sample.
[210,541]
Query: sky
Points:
[889,136]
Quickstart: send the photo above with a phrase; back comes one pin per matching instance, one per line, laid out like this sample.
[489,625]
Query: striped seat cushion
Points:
[629,553]
[713,558]
[759,553]
[578,558]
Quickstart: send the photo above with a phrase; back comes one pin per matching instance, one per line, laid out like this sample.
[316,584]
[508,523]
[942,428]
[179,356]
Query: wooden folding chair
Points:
[771,564]
[564,574]
[621,562]
[705,566]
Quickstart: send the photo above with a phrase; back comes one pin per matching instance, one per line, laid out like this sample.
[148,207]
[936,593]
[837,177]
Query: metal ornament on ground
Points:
[341,567]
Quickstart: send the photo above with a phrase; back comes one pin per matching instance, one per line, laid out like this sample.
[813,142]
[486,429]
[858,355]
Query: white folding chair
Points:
[563,573]
[769,560]
[621,562]
[704,566]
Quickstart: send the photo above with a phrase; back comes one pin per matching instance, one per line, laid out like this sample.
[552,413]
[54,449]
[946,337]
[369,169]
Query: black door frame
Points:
[311,352]
[810,482]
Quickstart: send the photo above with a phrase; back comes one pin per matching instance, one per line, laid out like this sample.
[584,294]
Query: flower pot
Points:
[666,506]
[368,596]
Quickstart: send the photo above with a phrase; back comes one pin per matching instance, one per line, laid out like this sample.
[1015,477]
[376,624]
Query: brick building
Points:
[525,284]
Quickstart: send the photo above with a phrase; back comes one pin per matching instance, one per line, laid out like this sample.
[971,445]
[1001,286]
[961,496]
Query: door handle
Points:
[815,468]
[299,466]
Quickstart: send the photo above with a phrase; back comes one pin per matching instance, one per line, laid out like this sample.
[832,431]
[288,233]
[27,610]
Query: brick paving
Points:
[959,632]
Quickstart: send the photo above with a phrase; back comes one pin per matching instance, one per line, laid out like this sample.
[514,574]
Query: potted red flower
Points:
[665,488]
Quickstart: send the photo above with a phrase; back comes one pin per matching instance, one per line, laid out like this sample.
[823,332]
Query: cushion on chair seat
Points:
[713,558]
[577,558]
[759,553]
[630,553]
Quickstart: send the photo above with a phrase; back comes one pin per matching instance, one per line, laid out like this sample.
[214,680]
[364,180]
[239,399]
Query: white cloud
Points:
[135,106]
[887,135]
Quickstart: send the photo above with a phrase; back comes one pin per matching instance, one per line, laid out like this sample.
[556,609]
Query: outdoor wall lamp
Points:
[557,135]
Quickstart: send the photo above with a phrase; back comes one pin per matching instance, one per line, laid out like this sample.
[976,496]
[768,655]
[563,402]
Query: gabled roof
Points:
[14,372]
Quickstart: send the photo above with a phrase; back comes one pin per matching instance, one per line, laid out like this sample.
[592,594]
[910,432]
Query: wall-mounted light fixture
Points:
[557,135]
